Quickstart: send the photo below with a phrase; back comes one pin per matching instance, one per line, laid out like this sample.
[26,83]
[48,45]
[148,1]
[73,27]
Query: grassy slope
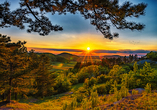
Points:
[143,101]
[56,102]
[62,66]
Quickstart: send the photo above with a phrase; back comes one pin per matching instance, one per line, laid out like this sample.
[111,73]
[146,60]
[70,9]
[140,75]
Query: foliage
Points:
[89,82]
[70,106]
[88,72]
[94,99]
[104,88]
[116,71]
[148,88]
[73,79]
[135,67]
[99,17]
[134,92]
[152,55]
[13,67]
[39,68]
[62,84]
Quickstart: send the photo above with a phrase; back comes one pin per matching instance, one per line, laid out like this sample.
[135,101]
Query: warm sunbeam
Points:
[88,48]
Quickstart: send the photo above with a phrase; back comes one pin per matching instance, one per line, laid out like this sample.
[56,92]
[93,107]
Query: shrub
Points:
[73,79]
[116,71]
[84,104]
[80,94]
[87,72]
[89,82]
[134,92]
[101,79]
[104,88]
[103,70]
[62,84]
[148,88]
[94,99]
[70,106]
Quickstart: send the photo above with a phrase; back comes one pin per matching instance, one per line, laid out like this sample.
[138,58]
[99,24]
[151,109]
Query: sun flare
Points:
[88,48]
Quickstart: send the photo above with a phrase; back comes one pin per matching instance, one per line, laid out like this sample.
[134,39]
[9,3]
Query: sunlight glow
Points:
[88,48]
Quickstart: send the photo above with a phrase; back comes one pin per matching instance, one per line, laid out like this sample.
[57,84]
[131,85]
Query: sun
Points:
[88,48]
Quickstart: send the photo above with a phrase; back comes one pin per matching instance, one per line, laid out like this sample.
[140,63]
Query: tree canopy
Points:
[102,14]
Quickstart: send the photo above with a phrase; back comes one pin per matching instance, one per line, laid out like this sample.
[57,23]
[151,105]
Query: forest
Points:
[29,80]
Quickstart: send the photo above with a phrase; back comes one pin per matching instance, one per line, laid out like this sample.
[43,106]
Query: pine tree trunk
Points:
[3,96]
[22,96]
[9,91]
[10,83]
[15,95]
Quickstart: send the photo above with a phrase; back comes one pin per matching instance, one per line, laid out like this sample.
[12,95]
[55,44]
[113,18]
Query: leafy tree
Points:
[152,55]
[116,71]
[88,72]
[62,84]
[102,13]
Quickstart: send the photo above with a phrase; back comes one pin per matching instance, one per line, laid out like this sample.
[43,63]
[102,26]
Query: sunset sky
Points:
[78,34]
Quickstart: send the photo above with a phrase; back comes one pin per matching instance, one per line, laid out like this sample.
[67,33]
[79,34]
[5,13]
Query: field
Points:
[57,66]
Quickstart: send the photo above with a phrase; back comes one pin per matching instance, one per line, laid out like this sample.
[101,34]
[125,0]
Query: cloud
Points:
[52,49]
[122,51]
[95,51]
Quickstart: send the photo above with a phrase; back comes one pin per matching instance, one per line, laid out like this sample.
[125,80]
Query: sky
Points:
[78,34]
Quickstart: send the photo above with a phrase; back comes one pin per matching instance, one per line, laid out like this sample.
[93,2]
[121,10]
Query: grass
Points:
[145,101]
[62,66]
[75,87]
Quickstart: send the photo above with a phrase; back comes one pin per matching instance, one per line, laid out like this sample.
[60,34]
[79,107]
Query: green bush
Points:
[73,79]
[104,88]
[87,72]
[148,88]
[62,84]
[101,79]
[94,99]
[80,94]
[89,82]
[116,71]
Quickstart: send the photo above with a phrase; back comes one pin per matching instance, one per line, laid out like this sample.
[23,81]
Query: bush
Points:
[103,70]
[94,99]
[80,94]
[148,88]
[73,79]
[62,84]
[134,92]
[103,79]
[104,88]
[89,82]
[116,71]
[70,106]
[87,72]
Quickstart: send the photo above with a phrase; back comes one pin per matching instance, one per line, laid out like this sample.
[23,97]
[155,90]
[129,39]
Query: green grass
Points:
[62,66]
[75,87]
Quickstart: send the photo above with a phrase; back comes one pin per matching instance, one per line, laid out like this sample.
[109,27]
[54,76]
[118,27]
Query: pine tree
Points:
[40,69]
[102,13]
[12,64]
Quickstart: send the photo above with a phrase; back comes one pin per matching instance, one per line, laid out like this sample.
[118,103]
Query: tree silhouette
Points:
[102,13]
